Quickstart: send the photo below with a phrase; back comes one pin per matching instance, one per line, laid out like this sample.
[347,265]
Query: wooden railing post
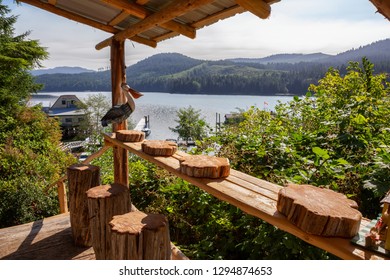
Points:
[118,76]
[62,197]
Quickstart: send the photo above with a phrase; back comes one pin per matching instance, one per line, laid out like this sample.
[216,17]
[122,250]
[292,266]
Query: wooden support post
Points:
[81,177]
[140,236]
[62,197]
[118,76]
[104,202]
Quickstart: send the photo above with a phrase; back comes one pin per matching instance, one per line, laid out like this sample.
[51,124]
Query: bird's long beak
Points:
[134,93]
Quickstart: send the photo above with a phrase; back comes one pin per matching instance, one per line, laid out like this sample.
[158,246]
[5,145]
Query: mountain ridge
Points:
[61,70]
[177,73]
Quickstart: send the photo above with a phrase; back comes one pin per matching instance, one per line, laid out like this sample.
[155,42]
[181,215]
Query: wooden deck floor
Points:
[49,239]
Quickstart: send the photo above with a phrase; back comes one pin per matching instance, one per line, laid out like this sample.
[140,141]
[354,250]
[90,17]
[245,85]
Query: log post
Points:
[140,236]
[118,76]
[62,197]
[81,177]
[104,202]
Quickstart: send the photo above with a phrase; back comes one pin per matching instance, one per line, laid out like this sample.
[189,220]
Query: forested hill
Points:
[176,73]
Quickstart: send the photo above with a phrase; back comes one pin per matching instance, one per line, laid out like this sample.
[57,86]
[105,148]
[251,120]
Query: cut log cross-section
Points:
[159,147]
[140,236]
[81,178]
[104,202]
[319,211]
[205,166]
[130,135]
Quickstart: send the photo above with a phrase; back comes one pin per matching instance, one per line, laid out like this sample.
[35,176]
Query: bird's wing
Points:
[114,113]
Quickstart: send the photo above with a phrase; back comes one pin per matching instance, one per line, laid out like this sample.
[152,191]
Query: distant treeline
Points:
[177,73]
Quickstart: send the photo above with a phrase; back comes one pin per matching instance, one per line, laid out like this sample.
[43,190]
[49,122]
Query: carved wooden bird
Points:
[119,113]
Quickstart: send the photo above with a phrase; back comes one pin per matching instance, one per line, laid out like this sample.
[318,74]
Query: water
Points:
[162,107]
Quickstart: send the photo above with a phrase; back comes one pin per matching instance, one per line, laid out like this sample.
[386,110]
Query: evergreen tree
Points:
[30,157]
[190,124]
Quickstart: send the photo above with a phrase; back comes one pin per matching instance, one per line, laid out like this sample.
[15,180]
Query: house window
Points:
[63,102]
[68,120]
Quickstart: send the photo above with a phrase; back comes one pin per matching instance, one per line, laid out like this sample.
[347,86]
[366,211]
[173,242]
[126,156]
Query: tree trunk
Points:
[140,236]
[81,177]
[103,203]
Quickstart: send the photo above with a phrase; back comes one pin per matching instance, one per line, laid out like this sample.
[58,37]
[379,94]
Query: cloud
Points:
[295,26]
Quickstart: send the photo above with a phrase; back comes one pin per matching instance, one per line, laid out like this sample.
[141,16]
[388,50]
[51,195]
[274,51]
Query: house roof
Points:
[151,21]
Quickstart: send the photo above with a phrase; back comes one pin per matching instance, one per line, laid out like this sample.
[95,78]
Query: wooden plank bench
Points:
[253,196]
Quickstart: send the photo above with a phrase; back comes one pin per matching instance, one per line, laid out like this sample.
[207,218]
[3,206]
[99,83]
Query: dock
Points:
[144,125]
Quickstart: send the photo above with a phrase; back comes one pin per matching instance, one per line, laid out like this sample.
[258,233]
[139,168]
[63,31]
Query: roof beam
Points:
[237,9]
[140,12]
[119,18]
[174,9]
[257,7]
[142,2]
[53,9]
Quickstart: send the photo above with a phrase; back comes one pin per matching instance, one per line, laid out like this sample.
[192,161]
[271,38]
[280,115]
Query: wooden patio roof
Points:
[151,21]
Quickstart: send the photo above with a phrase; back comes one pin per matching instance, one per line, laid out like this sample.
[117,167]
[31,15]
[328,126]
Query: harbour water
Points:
[162,107]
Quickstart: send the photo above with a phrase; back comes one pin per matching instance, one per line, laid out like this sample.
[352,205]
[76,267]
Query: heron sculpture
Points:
[119,113]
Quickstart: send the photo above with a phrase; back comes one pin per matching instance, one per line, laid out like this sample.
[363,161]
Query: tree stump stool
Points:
[81,177]
[319,211]
[140,236]
[104,202]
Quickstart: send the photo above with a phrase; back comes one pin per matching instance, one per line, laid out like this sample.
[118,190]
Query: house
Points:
[70,116]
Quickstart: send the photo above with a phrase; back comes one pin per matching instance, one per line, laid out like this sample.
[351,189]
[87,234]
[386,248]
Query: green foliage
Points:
[17,56]
[30,160]
[338,138]
[94,108]
[190,124]
[30,156]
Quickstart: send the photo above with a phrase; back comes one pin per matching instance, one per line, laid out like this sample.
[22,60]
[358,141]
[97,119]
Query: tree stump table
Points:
[81,177]
[203,166]
[130,135]
[159,148]
[140,236]
[104,202]
[319,211]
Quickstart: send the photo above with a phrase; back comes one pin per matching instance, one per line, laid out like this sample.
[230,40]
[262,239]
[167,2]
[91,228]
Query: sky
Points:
[295,26]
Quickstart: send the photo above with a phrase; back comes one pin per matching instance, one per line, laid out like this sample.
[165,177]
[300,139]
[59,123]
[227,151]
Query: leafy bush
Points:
[336,137]
[30,156]
[30,160]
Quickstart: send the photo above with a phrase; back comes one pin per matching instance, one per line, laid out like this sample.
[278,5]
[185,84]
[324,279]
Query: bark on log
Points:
[203,166]
[159,147]
[140,236]
[319,211]
[104,202]
[81,177]
[130,135]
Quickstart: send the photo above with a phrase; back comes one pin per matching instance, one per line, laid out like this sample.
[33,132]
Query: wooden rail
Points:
[62,197]
[253,196]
